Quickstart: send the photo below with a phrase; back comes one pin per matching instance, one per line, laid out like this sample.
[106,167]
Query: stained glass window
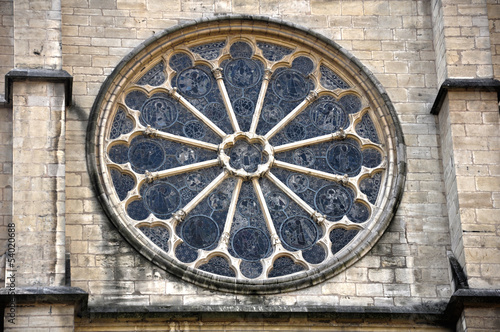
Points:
[250,160]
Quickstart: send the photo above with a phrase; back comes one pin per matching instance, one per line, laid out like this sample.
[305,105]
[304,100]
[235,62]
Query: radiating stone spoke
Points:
[309,171]
[184,102]
[290,193]
[227,102]
[260,101]
[292,115]
[265,211]
[180,139]
[314,140]
[151,176]
[200,197]
[230,214]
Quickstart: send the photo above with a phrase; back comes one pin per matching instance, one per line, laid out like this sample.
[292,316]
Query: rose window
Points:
[245,161]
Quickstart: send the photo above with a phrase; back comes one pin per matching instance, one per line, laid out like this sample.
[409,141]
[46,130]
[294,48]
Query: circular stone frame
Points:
[366,84]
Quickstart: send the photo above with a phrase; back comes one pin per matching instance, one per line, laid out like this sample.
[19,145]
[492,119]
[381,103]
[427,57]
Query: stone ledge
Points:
[38,75]
[470,297]
[45,295]
[488,84]
[409,315]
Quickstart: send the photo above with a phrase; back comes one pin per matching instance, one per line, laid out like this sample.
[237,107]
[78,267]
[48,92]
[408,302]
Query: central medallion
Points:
[246,155]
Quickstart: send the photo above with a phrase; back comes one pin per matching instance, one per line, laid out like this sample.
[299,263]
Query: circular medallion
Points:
[277,200]
[298,183]
[215,112]
[344,158]
[299,232]
[303,157]
[185,155]
[291,85]
[162,199]
[251,244]
[219,200]
[243,107]
[272,114]
[159,113]
[328,116]
[200,232]
[194,129]
[242,73]
[146,155]
[333,200]
[194,82]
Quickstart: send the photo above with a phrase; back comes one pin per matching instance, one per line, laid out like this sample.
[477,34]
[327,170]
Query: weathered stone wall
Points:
[408,267]
[6,41]
[43,318]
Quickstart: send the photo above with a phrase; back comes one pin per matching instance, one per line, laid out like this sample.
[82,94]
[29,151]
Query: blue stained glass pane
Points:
[162,199]
[137,211]
[121,124]
[123,183]
[351,103]
[218,265]
[158,235]
[303,64]
[185,253]
[330,80]
[199,87]
[209,51]
[325,115]
[344,158]
[135,99]
[250,218]
[146,155]
[241,50]
[118,153]
[314,255]
[243,79]
[359,213]
[371,186]
[242,73]
[194,82]
[371,158]
[200,232]
[251,269]
[340,238]
[247,156]
[206,221]
[164,113]
[273,52]
[298,183]
[159,113]
[251,244]
[284,266]
[291,85]
[277,106]
[334,200]
[366,129]
[175,154]
[299,232]
[180,61]
[330,198]
[154,77]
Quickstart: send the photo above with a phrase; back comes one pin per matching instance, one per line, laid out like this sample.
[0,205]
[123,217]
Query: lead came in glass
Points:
[299,232]
[159,113]
[158,235]
[200,232]
[162,199]
[251,244]
[242,203]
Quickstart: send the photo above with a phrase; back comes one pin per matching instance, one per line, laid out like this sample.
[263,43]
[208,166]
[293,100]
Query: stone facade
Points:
[439,56]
